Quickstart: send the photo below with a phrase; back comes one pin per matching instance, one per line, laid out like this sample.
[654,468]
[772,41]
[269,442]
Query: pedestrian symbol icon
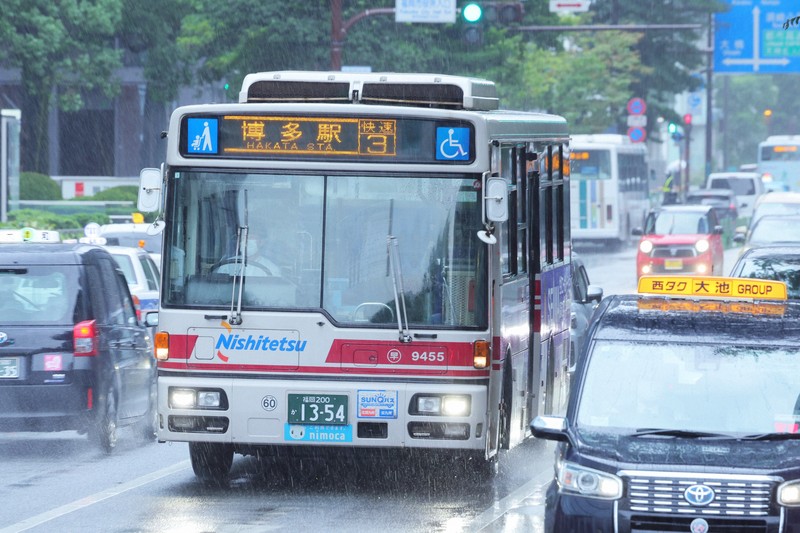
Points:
[202,135]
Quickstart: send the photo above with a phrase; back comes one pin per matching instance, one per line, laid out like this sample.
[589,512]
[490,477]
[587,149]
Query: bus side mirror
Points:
[149,190]
[496,200]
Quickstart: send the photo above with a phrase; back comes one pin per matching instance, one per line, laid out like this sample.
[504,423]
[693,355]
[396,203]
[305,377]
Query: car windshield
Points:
[740,186]
[774,208]
[775,229]
[134,239]
[38,294]
[781,268]
[677,222]
[748,389]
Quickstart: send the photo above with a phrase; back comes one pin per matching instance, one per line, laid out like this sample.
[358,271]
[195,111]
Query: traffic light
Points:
[687,119]
[674,131]
[476,14]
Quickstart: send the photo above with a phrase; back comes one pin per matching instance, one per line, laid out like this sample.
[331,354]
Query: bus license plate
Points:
[9,368]
[330,409]
[673,264]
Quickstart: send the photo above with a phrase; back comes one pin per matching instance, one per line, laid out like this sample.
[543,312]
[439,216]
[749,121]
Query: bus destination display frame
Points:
[352,138]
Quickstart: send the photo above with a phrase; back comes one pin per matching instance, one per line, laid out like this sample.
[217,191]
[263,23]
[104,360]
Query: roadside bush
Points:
[123,193]
[35,186]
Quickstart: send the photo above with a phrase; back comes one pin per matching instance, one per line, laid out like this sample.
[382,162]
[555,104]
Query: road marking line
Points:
[539,482]
[92,499]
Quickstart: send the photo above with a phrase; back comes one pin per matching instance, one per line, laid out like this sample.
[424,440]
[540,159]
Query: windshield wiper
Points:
[685,433]
[772,436]
[238,279]
[399,292]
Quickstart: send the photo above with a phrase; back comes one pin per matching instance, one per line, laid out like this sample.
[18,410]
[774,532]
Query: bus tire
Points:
[211,461]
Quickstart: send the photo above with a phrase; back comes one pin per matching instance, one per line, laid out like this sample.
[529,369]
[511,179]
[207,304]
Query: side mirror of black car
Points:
[718,230]
[738,238]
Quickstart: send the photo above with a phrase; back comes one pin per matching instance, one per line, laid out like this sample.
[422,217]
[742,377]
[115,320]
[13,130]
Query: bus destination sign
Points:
[314,137]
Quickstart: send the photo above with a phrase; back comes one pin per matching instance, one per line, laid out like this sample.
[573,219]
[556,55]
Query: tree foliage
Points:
[588,82]
[35,186]
[676,58]
[65,46]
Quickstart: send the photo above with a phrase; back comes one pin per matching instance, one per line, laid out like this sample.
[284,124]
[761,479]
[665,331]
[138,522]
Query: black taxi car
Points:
[73,355]
[684,413]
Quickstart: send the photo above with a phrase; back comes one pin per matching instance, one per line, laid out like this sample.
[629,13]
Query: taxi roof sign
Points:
[713,287]
[8,236]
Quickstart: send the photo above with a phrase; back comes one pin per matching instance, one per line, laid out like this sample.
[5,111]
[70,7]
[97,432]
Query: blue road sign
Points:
[749,38]
[636,106]
[637,134]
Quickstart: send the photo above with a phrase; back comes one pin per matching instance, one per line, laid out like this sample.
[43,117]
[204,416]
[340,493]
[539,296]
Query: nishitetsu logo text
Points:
[260,343]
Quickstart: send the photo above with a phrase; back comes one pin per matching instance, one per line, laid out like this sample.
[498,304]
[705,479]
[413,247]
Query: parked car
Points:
[679,239]
[747,186]
[73,355]
[722,200]
[781,263]
[585,298]
[141,274]
[145,236]
[770,230]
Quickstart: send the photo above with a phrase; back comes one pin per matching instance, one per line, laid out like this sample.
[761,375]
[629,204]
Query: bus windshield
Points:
[590,164]
[311,242]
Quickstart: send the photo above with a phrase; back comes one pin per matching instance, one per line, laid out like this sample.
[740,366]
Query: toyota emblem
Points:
[699,495]
[3,337]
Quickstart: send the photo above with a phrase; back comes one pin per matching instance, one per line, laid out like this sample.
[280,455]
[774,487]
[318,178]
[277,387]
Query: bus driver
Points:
[257,264]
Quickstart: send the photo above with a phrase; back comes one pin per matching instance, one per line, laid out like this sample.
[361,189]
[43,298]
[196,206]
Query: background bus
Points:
[609,188]
[779,162]
[420,294]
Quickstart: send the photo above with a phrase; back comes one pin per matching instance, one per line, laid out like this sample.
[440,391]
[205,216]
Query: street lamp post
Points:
[339,28]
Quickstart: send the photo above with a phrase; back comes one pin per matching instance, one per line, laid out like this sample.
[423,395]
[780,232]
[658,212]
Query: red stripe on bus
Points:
[385,371]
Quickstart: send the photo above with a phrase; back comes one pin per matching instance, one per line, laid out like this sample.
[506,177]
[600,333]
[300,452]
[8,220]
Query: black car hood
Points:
[680,452]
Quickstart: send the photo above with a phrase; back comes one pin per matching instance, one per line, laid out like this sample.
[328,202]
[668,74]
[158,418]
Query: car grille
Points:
[655,501]
[669,252]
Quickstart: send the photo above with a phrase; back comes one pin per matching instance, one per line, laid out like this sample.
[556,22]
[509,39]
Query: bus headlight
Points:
[182,398]
[645,247]
[455,405]
[702,245]
[583,481]
[441,405]
[789,493]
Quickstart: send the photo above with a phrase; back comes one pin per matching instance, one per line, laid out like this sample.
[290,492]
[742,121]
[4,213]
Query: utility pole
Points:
[339,28]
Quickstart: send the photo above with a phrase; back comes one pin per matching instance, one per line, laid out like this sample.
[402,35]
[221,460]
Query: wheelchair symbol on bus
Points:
[453,144]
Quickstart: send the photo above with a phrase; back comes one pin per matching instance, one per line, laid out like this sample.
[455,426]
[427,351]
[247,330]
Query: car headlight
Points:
[645,247]
[789,493]
[702,245]
[576,479]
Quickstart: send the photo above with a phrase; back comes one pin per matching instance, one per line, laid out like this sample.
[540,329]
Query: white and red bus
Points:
[412,283]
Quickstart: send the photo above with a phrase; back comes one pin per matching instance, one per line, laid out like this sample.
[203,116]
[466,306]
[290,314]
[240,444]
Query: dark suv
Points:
[73,355]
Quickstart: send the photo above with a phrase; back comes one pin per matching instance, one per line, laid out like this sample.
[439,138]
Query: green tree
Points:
[149,29]
[675,58]
[66,47]
[588,83]
[35,186]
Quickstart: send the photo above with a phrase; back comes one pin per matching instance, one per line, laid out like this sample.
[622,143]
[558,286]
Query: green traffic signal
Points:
[472,12]
[226,86]
[672,127]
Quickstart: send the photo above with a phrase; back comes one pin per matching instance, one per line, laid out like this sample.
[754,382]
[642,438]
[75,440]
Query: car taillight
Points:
[85,338]
[137,304]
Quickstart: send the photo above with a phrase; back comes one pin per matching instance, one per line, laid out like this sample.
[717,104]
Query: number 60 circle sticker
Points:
[269,403]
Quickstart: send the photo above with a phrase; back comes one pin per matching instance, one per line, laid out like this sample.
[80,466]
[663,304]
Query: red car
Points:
[680,239]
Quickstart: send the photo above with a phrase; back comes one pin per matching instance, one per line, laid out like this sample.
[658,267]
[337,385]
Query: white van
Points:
[746,185]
